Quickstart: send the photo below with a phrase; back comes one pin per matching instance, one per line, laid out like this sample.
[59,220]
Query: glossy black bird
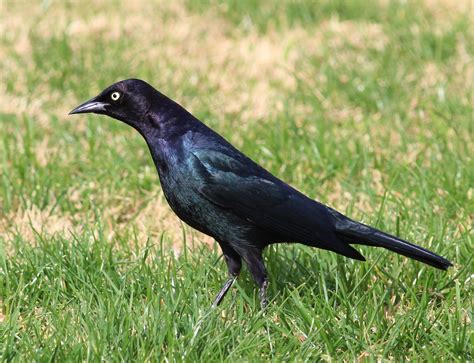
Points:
[219,191]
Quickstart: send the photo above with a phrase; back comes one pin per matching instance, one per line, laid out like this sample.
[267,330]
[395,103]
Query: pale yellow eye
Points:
[115,96]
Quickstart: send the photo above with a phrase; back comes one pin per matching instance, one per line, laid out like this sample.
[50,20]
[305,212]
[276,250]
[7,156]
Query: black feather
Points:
[218,190]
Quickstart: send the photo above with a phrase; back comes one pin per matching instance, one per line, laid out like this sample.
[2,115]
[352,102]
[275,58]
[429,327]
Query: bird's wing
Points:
[236,183]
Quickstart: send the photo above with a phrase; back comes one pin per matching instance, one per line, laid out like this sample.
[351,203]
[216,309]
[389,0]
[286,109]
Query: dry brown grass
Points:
[251,71]
[147,218]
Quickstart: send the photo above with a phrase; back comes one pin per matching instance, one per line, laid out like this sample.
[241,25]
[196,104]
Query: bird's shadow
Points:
[309,273]
[295,267]
[306,273]
[290,265]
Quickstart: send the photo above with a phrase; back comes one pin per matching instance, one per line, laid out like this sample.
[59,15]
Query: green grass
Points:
[366,108]
[79,300]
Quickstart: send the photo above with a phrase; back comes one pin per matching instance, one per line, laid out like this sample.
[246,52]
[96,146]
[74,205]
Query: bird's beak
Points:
[91,106]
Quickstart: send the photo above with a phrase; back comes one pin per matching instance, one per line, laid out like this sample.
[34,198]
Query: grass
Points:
[367,108]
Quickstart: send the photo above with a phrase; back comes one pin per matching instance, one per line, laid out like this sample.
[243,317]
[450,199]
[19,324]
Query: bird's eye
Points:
[115,96]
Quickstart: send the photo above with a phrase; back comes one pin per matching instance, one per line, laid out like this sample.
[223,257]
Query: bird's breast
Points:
[181,189]
[185,202]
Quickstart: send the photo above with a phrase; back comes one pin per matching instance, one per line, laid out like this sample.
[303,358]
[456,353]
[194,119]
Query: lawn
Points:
[366,106]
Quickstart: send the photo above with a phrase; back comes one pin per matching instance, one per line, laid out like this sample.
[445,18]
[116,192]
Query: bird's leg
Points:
[220,296]
[254,260]
[263,294]
[234,264]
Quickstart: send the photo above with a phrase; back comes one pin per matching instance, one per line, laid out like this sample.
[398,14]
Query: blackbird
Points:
[218,190]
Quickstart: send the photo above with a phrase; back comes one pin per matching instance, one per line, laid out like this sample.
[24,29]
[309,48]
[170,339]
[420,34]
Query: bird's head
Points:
[128,101]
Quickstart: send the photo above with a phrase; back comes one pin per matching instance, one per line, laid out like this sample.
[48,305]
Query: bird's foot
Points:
[220,296]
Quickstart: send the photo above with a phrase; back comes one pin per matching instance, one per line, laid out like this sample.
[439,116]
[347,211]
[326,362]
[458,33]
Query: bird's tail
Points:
[361,234]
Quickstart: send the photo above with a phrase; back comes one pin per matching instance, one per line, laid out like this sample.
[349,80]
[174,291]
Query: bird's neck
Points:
[164,132]
[167,120]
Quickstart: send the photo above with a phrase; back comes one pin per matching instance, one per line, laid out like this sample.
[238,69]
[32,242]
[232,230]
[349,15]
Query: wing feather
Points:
[258,197]
[236,183]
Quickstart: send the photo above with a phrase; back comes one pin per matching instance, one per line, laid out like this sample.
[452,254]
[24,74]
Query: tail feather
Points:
[358,233]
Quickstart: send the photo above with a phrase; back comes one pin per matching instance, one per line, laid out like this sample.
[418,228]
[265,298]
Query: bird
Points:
[216,189]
